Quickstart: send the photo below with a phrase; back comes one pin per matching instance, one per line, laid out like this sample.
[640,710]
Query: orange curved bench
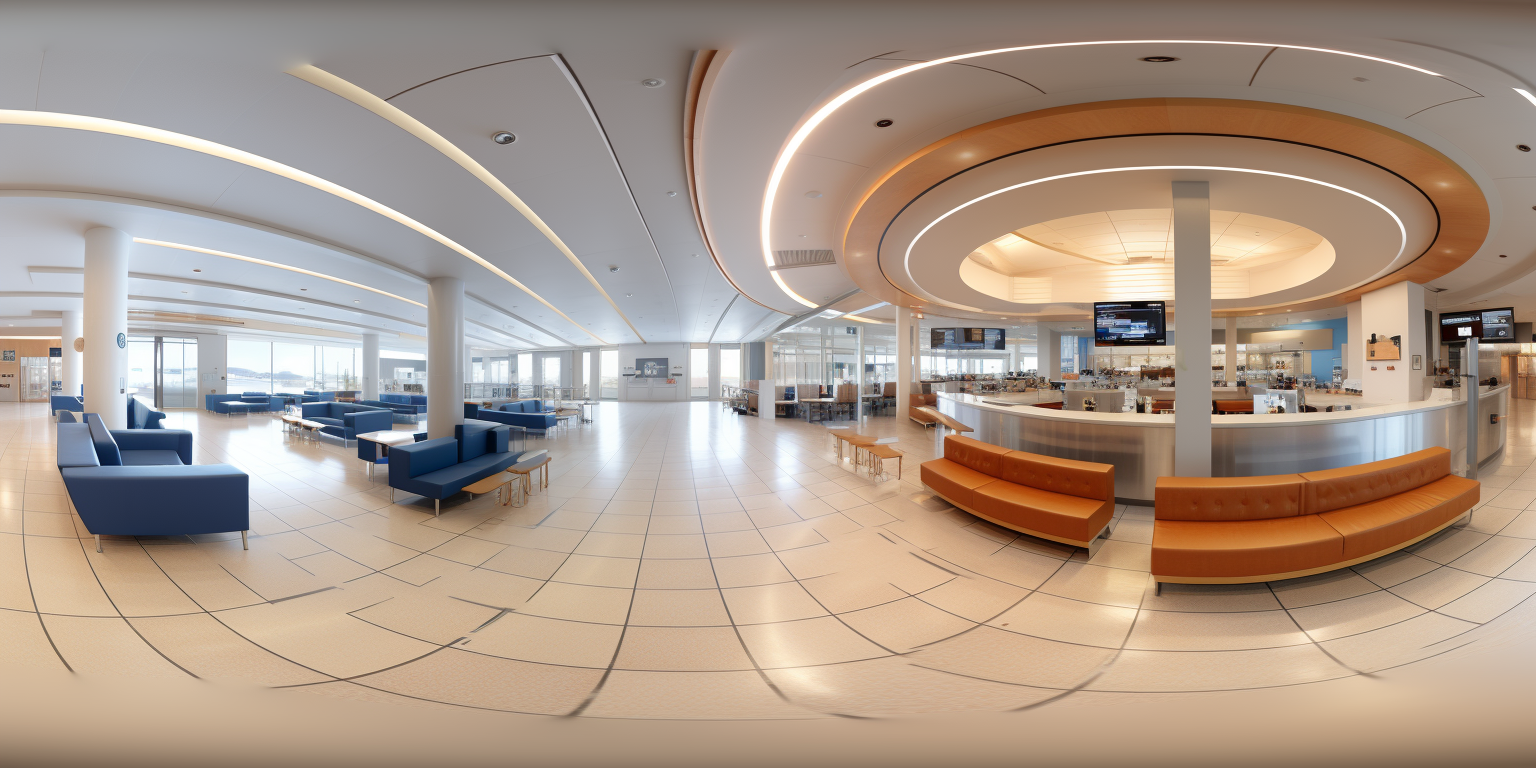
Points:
[1058,499]
[1239,530]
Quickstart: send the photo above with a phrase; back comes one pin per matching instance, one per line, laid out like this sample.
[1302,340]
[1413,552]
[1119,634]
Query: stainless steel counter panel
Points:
[1140,446]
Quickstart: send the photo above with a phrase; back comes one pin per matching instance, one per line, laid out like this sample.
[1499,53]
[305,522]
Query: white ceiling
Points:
[598,153]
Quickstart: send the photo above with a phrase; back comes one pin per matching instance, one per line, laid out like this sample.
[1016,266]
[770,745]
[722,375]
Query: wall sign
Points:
[8,356]
[122,341]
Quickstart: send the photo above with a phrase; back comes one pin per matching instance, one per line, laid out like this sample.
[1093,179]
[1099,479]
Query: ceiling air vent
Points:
[794,259]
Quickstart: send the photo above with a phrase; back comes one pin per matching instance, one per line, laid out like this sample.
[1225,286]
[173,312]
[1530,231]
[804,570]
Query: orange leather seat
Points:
[1244,529]
[917,401]
[1244,548]
[1058,499]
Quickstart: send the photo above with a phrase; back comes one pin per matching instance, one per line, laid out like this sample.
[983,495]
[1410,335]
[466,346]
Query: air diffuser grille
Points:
[793,259]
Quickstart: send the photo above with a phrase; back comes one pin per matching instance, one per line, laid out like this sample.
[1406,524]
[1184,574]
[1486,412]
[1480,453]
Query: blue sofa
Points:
[143,483]
[141,416]
[320,397]
[405,405]
[528,414]
[211,401]
[293,398]
[346,420]
[57,403]
[440,468]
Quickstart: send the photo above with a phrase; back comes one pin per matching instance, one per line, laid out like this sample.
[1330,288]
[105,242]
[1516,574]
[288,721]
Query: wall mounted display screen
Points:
[968,338]
[1484,324]
[1130,324]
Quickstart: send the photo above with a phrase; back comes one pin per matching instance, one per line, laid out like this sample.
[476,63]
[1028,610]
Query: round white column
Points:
[73,366]
[370,366]
[105,322]
[906,376]
[445,347]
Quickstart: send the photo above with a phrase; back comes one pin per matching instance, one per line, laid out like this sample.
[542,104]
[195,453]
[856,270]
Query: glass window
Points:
[525,372]
[698,373]
[293,367]
[609,377]
[552,371]
[338,368]
[730,366]
[141,367]
[250,366]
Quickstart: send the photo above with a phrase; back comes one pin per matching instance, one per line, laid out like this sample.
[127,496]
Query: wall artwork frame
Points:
[1418,362]
[650,367]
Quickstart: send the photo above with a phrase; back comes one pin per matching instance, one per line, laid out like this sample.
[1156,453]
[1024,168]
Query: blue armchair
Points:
[320,397]
[57,403]
[528,414]
[143,483]
[141,416]
[346,420]
[440,468]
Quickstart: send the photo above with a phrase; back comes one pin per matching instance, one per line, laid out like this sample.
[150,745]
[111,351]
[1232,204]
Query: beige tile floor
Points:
[688,563]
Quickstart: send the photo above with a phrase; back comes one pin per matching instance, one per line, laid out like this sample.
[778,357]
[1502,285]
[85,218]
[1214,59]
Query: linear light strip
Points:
[225,152]
[323,79]
[907,257]
[265,263]
[793,145]
[1527,95]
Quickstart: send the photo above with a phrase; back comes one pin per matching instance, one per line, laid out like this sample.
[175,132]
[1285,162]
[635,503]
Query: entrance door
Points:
[35,382]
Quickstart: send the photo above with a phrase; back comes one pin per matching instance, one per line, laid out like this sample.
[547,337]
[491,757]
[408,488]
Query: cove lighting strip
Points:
[1527,95]
[225,152]
[323,79]
[265,263]
[906,263]
[788,152]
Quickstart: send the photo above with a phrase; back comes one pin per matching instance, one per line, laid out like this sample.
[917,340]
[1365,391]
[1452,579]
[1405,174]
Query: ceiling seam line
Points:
[723,313]
[602,130]
[400,119]
[518,318]
[1261,66]
[1443,103]
[462,71]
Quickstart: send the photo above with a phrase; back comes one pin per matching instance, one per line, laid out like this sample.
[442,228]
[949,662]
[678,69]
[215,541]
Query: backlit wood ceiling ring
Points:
[1459,203]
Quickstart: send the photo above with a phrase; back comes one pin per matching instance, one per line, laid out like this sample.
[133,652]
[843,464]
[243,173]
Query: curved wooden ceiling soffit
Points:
[1462,209]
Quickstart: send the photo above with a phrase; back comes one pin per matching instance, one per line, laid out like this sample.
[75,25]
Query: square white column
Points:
[1192,341]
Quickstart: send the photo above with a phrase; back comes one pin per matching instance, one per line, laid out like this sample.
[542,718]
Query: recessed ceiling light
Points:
[503,137]
[610,269]
[1503,255]
[695,255]
[1159,59]
[197,270]
[357,301]
[1362,79]
[627,295]
[303,289]
[651,82]
[813,194]
[183,291]
[1523,147]
[884,123]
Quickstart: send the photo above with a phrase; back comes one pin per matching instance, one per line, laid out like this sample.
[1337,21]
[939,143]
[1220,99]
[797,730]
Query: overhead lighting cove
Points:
[226,152]
[906,262]
[795,141]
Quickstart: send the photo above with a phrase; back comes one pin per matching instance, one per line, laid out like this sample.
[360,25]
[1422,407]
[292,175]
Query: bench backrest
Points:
[75,447]
[1084,479]
[1333,489]
[416,459]
[982,457]
[107,452]
[1229,498]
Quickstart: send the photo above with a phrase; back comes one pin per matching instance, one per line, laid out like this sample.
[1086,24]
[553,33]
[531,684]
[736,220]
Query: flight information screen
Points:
[1130,324]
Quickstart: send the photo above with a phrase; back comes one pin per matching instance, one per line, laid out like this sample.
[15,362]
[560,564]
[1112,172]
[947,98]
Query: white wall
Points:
[1354,363]
[1397,310]
[212,358]
[676,354]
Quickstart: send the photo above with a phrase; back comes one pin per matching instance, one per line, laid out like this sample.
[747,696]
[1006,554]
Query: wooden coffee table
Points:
[495,483]
[311,428]
[526,469]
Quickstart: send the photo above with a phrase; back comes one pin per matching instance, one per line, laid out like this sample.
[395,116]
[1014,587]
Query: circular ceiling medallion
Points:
[1451,212]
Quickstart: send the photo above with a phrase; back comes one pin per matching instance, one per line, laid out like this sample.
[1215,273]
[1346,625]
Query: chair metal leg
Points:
[244,542]
[437,507]
[98,542]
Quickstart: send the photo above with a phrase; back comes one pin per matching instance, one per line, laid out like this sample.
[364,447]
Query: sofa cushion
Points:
[951,480]
[1054,514]
[1229,498]
[982,457]
[1352,486]
[150,458]
[106,448]
[1087,479]
[472,440]
[1244,548]
[1391,522]
[326,420]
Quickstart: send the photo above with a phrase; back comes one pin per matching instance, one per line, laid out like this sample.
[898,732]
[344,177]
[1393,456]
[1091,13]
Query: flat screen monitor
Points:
[968,338]
[1130,324]
[1483,324]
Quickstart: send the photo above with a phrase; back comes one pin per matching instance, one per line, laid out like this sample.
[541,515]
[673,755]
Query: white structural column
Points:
[1192,342]
[767,391]
[906,377]
[1396,310]
[859,408]
[1231,342]
[370,366]
[105,321]
[1050,353]
[1354,351]
[445,345]
[70,377]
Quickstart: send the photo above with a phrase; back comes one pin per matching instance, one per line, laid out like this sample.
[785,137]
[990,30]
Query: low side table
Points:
[526,469]
[496,483]
[385,438]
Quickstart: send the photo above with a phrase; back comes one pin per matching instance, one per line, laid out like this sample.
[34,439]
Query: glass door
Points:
[35,384]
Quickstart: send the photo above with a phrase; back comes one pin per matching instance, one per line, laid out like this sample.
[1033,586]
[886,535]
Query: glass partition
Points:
[698,373]
[730,366]
[609,378]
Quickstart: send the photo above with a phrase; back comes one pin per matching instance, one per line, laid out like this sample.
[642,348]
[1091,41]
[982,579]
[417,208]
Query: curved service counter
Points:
[1140,446]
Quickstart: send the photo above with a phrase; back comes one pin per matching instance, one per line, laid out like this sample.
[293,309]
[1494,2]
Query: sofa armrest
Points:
[161,500]
[178,440]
